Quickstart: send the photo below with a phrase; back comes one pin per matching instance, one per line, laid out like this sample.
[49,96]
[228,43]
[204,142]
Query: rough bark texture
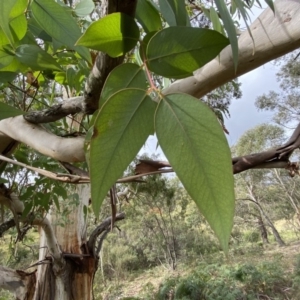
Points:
[56,112]
[104,64]
[263,231]
[74,280]
[20,283]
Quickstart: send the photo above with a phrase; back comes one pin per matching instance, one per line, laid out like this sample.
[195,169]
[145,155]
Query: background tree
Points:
[254,185]
[284,104]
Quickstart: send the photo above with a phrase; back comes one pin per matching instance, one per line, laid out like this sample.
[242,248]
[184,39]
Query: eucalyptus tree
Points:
[285,102]
[96,52]
[285,106]
[253,186]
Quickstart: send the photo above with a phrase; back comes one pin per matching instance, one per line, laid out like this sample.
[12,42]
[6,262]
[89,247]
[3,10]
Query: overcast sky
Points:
[244,114]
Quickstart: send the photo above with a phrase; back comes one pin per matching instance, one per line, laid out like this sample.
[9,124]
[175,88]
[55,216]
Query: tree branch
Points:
[70,106]
[6,226]
[91,244]
[272,158]
[63,177]
[37,137]
[103,65]
[52,243]
[273,35]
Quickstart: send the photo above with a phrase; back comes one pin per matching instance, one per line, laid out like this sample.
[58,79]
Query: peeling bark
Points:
[74,279]
[17,282]
[71,106]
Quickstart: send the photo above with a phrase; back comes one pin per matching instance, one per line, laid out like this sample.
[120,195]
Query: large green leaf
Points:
[5,10]
[84,8]
[19,27]
[194,143]
[37,31]
[17,24]
[59,24]
[270,4]
[5,58]
[36,58]
[7,76]
[18,9]
[120,130]
[114,34]
[148,16]
[230,29]
[124,76]
[174,12]
[214,17]
[14,66]
[7,111]
[176,52]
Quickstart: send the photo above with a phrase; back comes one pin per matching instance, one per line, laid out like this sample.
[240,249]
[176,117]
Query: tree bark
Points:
[73,280]
[276,234]
[20,283]
[263,230]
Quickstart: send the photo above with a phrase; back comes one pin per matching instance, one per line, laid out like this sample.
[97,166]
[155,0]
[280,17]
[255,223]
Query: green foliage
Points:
[7,111]
[251,236]
[187,50]
[230,29]
[192,127]
[261,137]
[148,16]
[120,36]
[41,36]
[57,22]
[124,76]
[35,58]
[9,11]
[174,12]
[117,138]
[215,282]
[284,103]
